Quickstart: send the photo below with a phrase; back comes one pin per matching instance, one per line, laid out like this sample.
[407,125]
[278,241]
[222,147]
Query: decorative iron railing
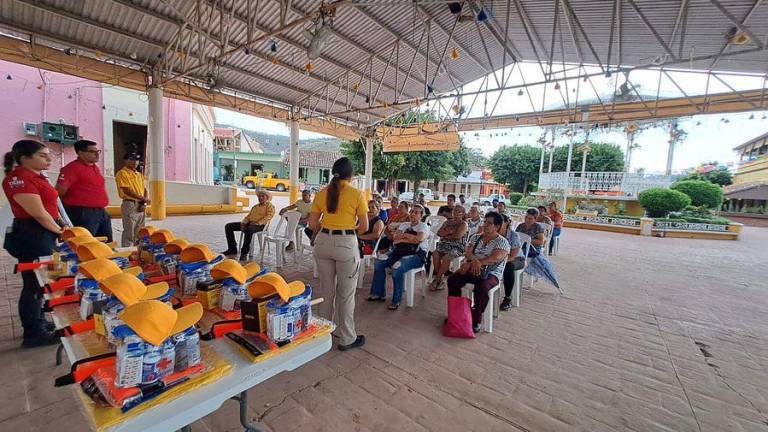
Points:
[598,184]
[689,226]
[604,220]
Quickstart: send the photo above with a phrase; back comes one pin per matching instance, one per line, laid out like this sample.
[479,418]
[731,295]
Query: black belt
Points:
[338,232]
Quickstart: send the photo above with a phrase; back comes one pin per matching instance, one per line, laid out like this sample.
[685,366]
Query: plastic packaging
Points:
[150,367]
[232,294]
[285,321]
[187,344]
[168,358]
[191,274]
[129,362]
[111,321]
[90,293]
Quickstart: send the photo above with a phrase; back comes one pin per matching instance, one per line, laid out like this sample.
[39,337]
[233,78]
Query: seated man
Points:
[483,266]
[447,210]
[302,206]
[451,245]
[258,219]
[543,216]
[409,252]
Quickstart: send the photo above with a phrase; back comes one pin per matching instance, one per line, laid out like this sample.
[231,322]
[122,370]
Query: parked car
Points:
[486,201]
[408,196]
[266,181]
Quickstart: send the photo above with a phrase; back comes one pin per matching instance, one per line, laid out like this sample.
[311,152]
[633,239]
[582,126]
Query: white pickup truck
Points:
[408,196]
[486,201]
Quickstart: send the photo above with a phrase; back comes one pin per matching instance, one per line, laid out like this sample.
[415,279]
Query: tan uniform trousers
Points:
[132,221]
[337,262]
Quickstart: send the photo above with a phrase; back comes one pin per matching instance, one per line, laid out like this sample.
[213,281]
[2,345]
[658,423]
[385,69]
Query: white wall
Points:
[201,151]
[123,105]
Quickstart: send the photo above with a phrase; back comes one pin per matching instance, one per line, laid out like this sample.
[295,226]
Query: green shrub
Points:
[702,193]
[660,202]
[515,197]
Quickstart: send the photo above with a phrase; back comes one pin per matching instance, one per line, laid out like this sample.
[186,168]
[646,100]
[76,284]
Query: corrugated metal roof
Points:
[142,30]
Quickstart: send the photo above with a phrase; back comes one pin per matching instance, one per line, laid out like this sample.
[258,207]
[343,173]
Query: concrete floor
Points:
[653,334]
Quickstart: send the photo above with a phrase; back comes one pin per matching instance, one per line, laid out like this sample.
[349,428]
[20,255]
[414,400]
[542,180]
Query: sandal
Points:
[393,306]
[435,285]
[373,298]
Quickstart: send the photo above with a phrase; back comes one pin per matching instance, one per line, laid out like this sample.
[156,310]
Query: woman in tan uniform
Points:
[338,214]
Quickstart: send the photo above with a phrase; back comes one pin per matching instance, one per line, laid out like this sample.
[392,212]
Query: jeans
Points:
[482,286]
[509,274]
[555,233]
[95,220]
[31,303]
[229,231]
[399,268]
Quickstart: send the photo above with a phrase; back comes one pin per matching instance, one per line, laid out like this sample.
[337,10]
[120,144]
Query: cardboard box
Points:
[209,295]
[254,314]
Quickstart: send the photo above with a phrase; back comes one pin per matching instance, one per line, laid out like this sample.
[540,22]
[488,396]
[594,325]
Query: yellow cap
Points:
[195,253]
[188,316]
[273,282]
[129,289]
[146,231]
[99,269]
[74,242]
[152,320]
[96,249]
[161,236]
[135,270]
[69,233]
[176,246]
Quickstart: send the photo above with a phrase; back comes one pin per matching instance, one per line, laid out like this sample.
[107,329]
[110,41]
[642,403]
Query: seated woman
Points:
[383,215]
[409,251]
[486,254]
[543,217]
[375,228]
[394,208]
[451,245]
[533,229]
[474,221]
[557,219]
[393,223]
[256,220]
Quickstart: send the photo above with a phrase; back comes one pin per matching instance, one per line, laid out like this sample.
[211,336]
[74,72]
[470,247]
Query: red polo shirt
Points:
[85,185]
[24,181]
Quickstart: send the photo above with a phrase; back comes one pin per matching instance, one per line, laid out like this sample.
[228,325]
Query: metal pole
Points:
[157,152]
[630,147]
[369,167]
[568,174]
[294,161]
[670,153]
[551,151]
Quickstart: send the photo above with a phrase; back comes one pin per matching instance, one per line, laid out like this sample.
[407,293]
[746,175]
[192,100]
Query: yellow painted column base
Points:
[157,195]
[293,193]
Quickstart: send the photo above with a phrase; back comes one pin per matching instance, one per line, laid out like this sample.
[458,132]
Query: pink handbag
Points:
[459,322]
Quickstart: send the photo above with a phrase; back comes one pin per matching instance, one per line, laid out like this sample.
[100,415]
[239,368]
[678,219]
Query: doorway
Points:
[128,137]
[256,169]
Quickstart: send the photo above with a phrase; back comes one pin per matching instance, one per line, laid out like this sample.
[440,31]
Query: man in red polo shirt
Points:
[81,187]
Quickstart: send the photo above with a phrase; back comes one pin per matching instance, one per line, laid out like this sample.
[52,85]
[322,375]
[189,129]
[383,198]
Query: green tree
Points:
[701,192]
[430,165]
[516,166]
[477,159]
[659,202]
[719,176]
[601,158]
[385,165]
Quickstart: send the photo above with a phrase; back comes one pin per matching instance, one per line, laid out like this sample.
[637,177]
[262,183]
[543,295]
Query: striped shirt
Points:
[481,251]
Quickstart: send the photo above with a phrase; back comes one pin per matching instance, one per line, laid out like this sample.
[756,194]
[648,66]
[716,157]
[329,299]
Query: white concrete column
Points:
[670,156]
[568,174]
[156,152]
[369,166]
[294,161]
[541,161]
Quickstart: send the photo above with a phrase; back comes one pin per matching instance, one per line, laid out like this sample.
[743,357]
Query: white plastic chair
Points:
[435,223]
[525,239]
[492,310]
[410,282]
[366,261]
[285,232]
[257,238]
[548,229]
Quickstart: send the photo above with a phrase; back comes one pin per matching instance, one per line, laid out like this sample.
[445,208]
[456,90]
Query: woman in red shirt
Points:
[33,202]
[557,219]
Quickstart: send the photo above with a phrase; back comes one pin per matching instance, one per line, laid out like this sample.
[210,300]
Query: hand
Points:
[475,267]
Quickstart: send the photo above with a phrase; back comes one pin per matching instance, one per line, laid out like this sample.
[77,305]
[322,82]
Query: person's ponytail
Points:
[22,148]
[342,170]
[8,162]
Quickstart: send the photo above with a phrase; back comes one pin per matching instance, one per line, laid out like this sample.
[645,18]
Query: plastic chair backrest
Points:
[525,239]
[291,220]
[435,223]
[376,246]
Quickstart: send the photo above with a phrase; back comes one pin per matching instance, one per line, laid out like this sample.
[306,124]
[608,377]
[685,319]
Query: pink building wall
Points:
[36,96]
[26,98]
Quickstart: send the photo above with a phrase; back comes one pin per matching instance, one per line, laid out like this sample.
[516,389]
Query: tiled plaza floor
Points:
[653,334]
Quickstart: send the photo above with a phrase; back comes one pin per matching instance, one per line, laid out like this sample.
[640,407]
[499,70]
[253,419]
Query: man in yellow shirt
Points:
[131,188]
[256,221]
[302,206]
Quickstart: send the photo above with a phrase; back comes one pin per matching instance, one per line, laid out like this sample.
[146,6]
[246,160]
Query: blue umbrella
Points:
[541,268]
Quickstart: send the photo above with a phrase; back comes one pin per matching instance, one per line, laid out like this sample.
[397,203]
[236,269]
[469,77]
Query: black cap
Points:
[132,156]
